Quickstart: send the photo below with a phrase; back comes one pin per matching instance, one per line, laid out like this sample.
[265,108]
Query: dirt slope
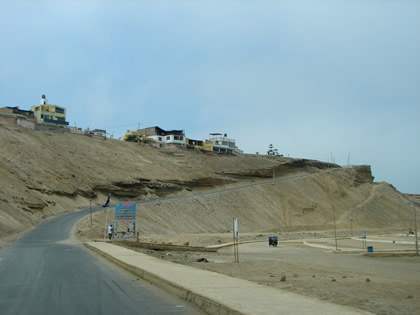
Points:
[46,173]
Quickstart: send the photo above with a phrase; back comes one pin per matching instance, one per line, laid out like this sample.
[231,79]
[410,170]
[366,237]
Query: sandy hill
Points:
[47,173]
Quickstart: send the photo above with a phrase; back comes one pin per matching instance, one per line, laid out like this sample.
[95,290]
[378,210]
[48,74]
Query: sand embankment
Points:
[46,173]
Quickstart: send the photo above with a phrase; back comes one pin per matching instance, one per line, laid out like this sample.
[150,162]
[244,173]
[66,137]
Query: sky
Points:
[319,79]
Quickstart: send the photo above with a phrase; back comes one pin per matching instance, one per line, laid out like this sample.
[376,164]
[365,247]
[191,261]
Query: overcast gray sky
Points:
[317,79]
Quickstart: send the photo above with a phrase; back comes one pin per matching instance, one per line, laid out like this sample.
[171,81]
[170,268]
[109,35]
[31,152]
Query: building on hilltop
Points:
[223,144]
[99,132]
[158,135]
[199,144]
[16,112]
[49,114]
[218,142]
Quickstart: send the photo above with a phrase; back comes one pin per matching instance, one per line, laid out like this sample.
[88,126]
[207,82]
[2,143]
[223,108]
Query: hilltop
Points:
[46,173]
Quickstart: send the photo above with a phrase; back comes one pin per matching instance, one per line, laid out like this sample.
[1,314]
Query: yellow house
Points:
[136,136]
[48,113]
[199,144]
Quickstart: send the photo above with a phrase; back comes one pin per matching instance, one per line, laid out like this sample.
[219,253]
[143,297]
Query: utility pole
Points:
[138,134]
[415,228]
[335,229]
[399,216]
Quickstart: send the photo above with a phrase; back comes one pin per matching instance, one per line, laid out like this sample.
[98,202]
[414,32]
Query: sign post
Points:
[236,240]
[125,211]
[106,205]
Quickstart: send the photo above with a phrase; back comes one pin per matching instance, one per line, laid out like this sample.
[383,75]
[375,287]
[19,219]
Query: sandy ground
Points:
[382,285]
[46,174]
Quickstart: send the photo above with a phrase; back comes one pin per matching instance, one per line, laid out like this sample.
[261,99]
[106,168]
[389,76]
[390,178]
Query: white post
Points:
[235,239]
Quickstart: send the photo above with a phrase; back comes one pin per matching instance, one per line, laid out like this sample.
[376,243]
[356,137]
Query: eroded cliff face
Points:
[45,173]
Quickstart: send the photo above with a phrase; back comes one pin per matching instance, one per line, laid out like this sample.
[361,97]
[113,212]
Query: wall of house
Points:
[78,131]
[53,128]
[99,133]
[25,123]
[169,139]
[167,146]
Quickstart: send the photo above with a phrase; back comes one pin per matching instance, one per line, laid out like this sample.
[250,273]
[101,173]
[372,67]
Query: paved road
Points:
[45,272]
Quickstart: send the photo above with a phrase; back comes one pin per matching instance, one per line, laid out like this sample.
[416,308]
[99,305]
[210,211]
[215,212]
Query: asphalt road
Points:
[45,272]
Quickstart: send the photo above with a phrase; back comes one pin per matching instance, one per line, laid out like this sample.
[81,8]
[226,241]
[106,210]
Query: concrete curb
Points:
[391,254]
[218,246]
[204,303]
[384,241]
[341,250]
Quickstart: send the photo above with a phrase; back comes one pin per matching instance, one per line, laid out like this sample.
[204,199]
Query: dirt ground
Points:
[381,285]
[49,173]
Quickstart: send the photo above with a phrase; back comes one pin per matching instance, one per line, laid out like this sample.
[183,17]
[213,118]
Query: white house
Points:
[223,144]
[163,136]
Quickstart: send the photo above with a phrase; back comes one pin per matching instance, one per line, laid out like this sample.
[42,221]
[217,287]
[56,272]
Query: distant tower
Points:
[44,100]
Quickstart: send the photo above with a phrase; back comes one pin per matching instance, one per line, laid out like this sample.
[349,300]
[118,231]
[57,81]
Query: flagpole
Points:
[90,209]
[107,212]
[106,223]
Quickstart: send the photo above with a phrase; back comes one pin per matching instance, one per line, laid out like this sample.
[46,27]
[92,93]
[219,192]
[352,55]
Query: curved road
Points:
[47,272]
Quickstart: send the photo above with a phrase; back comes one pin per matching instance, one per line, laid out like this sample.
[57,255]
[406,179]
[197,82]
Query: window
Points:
[176,138]
[160,138]
[59,110]
[168,138]
[181,138]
